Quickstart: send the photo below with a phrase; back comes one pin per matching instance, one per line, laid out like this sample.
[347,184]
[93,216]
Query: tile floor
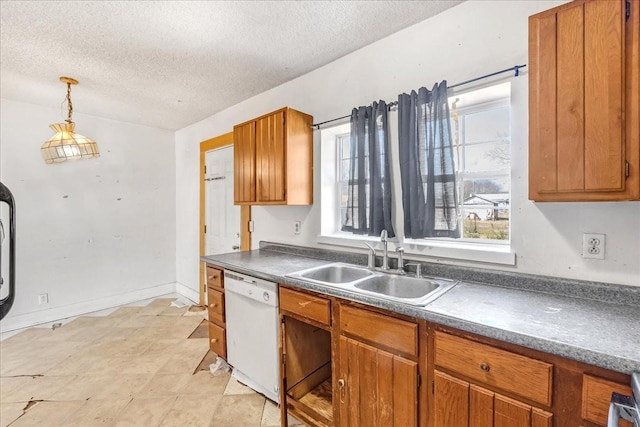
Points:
[136,366]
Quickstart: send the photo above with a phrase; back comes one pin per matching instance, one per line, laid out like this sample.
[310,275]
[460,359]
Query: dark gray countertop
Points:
[570,323]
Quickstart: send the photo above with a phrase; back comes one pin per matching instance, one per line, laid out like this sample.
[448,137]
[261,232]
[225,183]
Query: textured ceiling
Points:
[169,64]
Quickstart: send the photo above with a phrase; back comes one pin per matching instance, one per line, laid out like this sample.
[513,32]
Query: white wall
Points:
[472,39]
[90,233]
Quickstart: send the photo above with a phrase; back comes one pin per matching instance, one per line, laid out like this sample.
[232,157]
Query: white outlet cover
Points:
[593,245]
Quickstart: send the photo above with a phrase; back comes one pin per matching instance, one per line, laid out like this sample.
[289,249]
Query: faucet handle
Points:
[418,268]
[371,260]
[400,252]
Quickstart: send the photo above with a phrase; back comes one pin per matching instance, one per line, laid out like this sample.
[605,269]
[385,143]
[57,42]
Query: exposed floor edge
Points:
[26,320]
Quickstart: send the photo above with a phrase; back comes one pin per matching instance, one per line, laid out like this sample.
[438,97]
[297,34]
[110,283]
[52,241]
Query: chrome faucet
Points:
[385,254]
[371,261]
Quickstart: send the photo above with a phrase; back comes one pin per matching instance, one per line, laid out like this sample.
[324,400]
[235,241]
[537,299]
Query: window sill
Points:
[461,251]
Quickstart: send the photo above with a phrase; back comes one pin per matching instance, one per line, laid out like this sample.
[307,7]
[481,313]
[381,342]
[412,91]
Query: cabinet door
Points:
[451,401]
[460,404]
[270,158]
[577,102]
[244,163]
[376,388]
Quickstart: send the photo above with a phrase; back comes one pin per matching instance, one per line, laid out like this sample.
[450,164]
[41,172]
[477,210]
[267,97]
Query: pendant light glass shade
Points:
[66,144]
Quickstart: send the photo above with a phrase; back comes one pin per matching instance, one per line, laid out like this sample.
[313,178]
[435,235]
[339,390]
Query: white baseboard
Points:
[26,320]
[188,292]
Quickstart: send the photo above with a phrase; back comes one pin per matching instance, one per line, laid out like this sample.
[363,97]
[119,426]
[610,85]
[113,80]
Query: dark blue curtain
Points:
[369,192]
[427,169]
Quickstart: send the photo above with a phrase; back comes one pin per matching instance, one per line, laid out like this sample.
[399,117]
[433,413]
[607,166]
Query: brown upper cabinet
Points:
[273,159]
[584,106]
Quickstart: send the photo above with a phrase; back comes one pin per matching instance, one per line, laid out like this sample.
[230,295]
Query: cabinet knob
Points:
[212,305]
[485,367]
[214,340]
[341,383]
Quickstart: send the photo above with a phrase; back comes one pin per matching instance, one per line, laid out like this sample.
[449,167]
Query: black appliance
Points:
[7,242]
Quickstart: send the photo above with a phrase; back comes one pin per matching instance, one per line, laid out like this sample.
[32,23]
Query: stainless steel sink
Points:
[374,283]
[410,290]
[336,273]
[399,286]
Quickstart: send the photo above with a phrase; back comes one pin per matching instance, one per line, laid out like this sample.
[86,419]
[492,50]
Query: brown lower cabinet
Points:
[215,310]
[347,364]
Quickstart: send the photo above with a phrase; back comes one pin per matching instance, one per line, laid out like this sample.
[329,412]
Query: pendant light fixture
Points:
[66,144]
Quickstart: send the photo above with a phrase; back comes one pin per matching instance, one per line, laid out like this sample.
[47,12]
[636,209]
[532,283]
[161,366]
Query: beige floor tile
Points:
[162,347]
[125,367]
[82,388]
[9,384]
[96,413]
[152,310]
[271,416]
[235,387]
[182,363]
[50,414]
[161,302]
[201,331]
[37,365]
[145,412]
[9,412]
[124,332]
[25,336]
[89,322]
[191,411]
[174,311]
[106,386]
[204,382]
[125,311]
[145,364]
[78,364]
[122,386]
[120,347]
[36,388]
[164,384]
[239,410]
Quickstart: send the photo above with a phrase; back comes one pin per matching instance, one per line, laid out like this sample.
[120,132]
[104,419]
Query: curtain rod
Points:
[515,69]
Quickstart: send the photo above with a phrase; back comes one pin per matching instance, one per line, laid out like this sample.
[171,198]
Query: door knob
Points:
[235,247]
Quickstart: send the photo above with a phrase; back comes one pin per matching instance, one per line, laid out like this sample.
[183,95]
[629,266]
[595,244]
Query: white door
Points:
[222,217]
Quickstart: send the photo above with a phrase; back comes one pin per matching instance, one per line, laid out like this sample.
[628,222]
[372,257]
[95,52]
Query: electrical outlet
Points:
[43,299]
[297,227]
[593,245]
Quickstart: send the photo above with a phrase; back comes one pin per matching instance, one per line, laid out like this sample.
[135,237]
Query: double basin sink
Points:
[394,287]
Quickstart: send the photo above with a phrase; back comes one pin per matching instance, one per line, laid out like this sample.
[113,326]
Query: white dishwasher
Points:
[251,307]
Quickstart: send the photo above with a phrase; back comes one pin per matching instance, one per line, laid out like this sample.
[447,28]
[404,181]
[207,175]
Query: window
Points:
[480,127]
[344,160]
[482,147]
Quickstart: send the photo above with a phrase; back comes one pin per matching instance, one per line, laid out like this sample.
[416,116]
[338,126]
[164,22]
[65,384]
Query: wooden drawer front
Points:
[214,277]
[596,395]
[217,340]
[305,305]
[508,371]
[215,305]
[380,329]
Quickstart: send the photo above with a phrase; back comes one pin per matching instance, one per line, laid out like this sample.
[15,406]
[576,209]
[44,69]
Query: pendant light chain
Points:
[69,104]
